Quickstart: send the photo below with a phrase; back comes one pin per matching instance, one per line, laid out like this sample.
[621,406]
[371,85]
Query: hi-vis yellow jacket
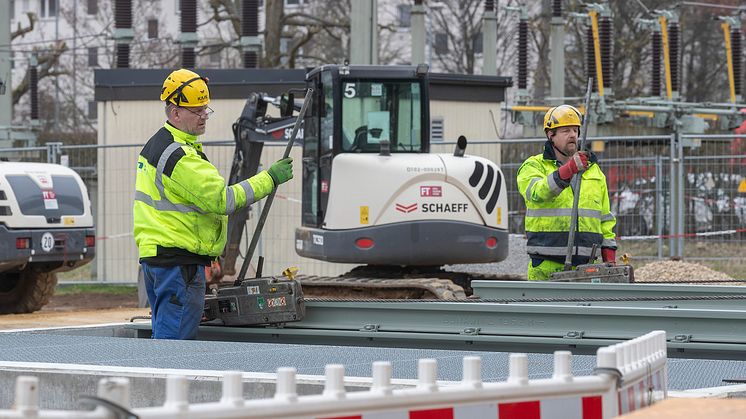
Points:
[182,202]
[549,203]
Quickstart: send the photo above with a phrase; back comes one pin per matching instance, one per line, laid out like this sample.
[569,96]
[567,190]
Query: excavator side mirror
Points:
[460,146]
[286,104]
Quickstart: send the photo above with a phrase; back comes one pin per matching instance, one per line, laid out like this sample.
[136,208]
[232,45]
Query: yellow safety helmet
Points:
[185,88]
[562,116]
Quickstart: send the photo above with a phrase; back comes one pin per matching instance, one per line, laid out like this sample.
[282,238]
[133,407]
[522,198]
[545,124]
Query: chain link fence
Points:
[673,196]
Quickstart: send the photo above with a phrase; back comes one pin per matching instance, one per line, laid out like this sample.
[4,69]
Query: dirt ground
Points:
[77,310]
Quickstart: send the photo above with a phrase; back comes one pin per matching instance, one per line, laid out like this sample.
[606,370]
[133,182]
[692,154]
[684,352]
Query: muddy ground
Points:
[77,310]
[91,301]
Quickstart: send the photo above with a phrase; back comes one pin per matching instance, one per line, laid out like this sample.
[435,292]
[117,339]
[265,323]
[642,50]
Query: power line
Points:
[719,6]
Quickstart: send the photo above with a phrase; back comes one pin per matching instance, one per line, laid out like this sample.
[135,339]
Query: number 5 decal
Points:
[349,90]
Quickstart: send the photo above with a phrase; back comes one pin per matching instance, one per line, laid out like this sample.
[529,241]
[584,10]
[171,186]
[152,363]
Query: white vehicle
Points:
[46,227]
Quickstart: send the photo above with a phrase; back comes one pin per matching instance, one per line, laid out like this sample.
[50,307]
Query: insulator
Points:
[655,79]
[123,55]
[123,14]
[188,16]
[736,53]
[249,59]
[590,57]
[33,76]
[556,8]
[187,57]
[522,54]
[489,5]
[607,56]
[249,18]
[673,54]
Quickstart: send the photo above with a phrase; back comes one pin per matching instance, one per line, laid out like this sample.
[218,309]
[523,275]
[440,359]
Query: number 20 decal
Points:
[350,90]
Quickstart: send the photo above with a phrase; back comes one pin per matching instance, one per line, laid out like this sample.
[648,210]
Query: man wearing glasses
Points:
[181,207]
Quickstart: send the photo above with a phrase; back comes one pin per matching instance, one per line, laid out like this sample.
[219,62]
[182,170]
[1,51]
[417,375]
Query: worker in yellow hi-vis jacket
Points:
[181,207]
[543,182]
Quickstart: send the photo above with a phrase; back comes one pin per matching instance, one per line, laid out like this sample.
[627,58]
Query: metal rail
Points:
[692,333]
[628,295]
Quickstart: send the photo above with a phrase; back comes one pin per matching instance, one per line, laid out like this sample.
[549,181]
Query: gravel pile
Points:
[676,270]
[515,264]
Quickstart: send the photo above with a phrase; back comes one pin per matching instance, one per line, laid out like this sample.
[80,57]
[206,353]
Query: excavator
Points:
[372,192]
[373,195]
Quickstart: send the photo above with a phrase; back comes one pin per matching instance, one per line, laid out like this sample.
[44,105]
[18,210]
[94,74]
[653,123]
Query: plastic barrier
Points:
[629,375]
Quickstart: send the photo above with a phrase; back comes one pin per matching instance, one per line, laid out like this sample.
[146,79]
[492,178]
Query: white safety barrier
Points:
[629,375]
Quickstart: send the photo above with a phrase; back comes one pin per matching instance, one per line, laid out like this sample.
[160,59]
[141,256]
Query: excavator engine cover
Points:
[596,273]
[256,301]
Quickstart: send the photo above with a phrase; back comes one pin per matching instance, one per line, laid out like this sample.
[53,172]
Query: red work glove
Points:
[608,255]
[577,163]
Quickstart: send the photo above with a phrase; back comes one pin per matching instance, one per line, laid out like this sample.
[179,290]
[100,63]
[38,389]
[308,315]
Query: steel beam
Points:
[692,333]
[625,295]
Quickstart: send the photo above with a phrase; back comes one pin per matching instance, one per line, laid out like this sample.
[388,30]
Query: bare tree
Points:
[456,35]
[47,58]
[310,34]
[455,31]
[701,53]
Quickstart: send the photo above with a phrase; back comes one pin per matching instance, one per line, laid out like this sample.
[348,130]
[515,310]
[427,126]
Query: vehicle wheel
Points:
[26,291]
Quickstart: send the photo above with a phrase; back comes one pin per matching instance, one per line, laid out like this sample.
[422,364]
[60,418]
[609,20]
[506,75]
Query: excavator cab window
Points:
[374,111]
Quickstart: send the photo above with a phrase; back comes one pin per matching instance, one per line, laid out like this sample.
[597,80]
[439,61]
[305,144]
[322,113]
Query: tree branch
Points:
[290,20]
[45,64]
[23,31]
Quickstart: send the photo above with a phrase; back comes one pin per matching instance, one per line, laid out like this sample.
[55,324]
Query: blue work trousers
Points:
[177,299]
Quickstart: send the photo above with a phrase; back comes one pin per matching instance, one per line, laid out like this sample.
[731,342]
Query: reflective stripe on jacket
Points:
[549,204]
[182,201]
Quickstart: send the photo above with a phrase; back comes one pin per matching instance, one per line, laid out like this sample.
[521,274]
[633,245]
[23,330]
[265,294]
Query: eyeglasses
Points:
[203,113]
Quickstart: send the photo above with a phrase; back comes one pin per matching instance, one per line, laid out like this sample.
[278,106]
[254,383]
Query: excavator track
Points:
[395,282]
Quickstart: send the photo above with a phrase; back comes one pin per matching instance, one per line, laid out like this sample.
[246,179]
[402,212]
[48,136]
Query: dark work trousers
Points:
[177,299]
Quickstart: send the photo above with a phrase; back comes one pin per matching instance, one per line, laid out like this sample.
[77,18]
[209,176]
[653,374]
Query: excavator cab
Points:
[373,193]
[359,110]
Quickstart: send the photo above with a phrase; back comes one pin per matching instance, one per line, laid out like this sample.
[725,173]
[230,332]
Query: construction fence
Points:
[629,376]
[674,195]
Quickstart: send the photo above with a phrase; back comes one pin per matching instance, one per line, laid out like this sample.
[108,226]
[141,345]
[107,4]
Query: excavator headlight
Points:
[364,243]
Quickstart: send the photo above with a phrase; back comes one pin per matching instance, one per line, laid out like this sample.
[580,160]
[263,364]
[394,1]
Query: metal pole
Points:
[75,60]
[672,199]
[57,77]
[680,185]
[271,196]
[575,183]
[417,27]
[364,38]
[557,57]
[659,203]
[6,101]
[489,41]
